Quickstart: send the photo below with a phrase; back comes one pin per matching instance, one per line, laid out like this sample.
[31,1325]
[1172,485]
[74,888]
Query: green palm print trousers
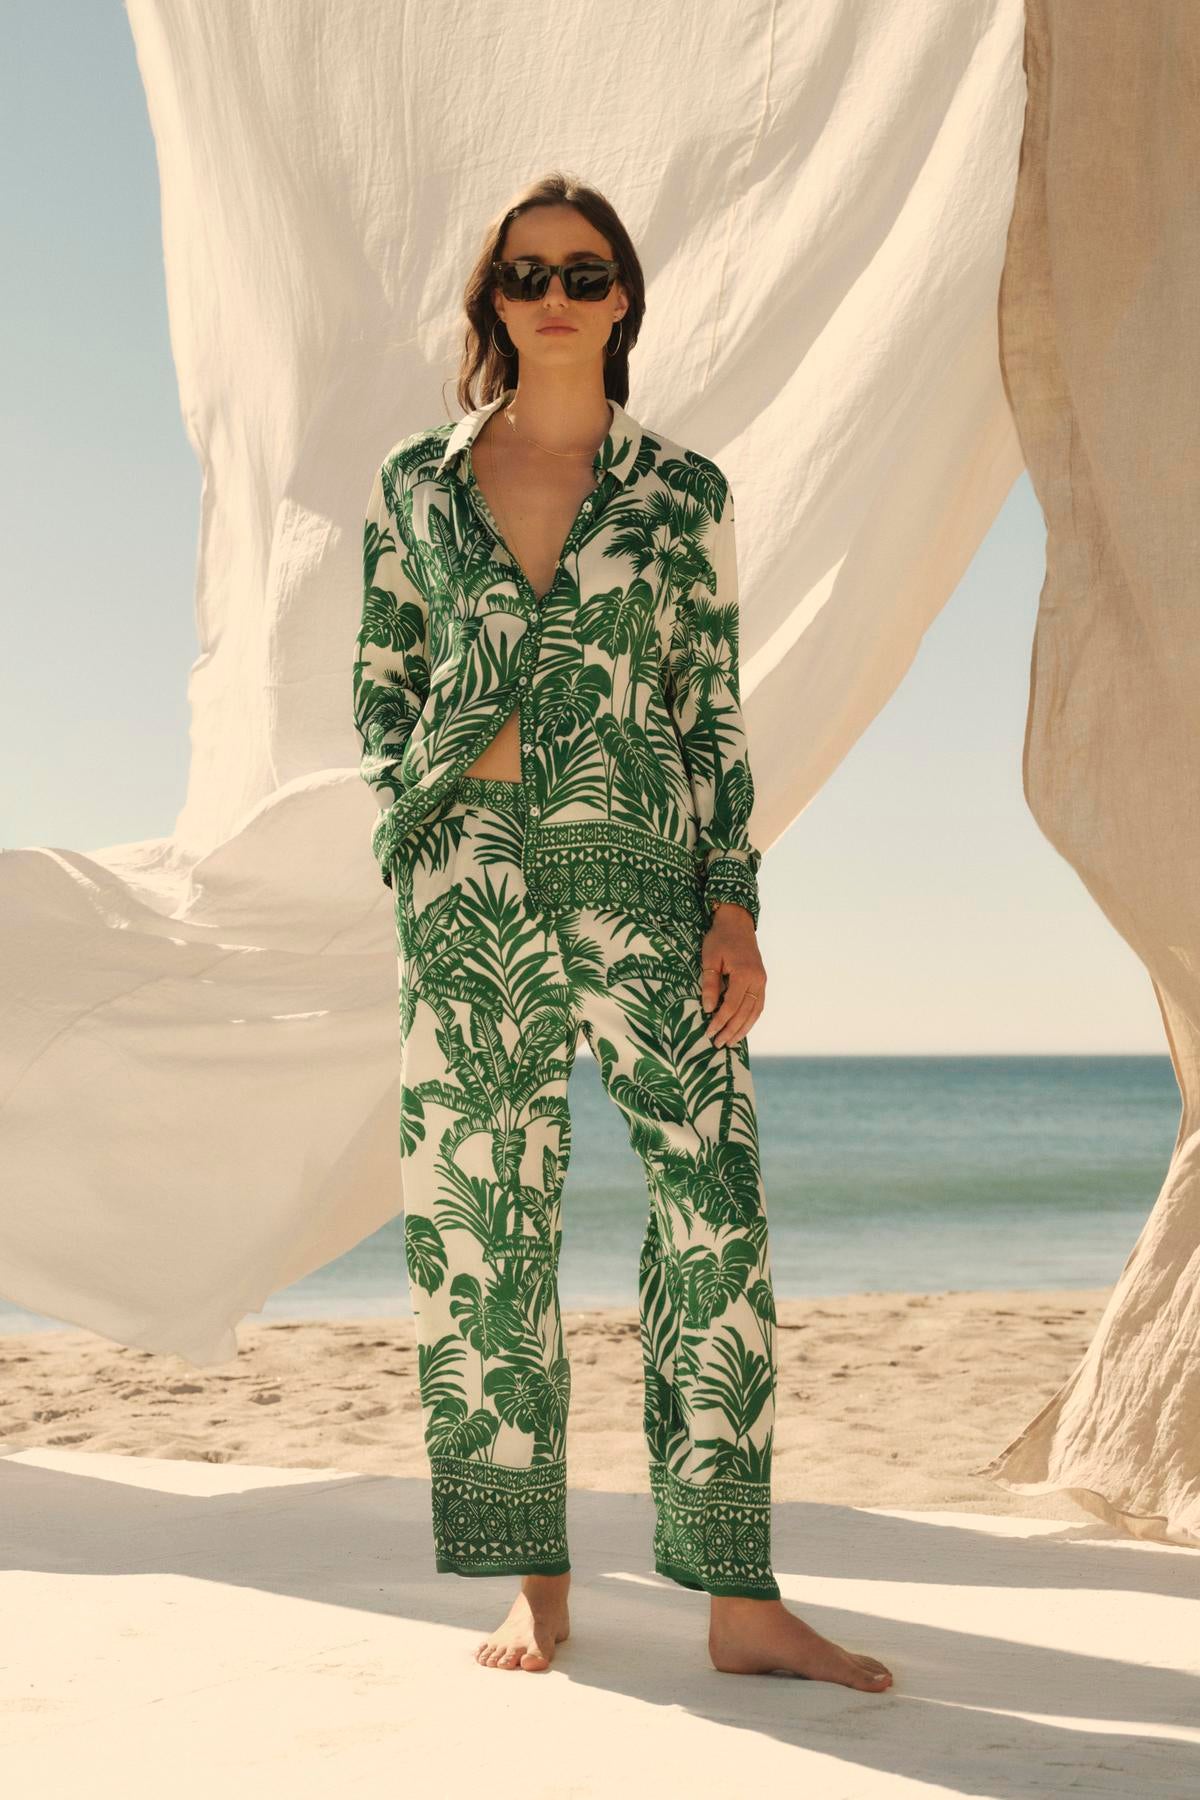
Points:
[493,995]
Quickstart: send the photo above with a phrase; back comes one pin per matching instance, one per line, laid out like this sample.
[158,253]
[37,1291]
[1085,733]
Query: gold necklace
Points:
[511,417]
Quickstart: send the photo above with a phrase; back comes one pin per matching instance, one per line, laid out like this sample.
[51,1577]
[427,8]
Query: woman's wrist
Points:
[731,906]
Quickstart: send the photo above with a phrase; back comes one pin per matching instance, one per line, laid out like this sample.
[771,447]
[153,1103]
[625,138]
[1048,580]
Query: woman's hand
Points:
[730,948]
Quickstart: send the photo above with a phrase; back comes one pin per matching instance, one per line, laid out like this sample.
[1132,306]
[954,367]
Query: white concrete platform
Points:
[181,1629]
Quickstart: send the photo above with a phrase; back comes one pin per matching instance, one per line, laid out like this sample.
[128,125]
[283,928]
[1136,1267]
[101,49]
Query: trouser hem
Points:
[685,1578]
[489,1519]
[448,1566]
[714,1536]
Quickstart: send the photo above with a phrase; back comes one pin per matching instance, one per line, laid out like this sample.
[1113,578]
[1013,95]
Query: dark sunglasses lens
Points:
[588,281]
[523,279]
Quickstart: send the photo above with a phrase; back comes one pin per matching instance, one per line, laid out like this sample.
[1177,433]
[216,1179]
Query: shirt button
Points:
[527,746]
[535,810]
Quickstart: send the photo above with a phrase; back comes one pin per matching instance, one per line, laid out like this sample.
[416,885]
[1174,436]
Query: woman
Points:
[547,696]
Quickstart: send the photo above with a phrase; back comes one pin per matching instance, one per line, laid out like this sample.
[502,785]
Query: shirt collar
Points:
[618,454]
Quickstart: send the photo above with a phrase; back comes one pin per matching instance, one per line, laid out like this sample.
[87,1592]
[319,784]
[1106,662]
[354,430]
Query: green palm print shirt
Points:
[633,748]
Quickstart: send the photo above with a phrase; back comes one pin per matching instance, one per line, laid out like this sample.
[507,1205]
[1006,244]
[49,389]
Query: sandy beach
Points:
[232,1570]
[884,1399]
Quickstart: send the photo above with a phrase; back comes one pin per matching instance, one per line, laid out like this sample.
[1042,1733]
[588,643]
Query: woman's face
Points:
[558,234]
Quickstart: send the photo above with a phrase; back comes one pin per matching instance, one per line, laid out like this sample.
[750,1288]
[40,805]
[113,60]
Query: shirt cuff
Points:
[731,878]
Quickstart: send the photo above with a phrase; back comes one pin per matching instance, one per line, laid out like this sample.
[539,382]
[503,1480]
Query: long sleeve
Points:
[706,704]
[391,671]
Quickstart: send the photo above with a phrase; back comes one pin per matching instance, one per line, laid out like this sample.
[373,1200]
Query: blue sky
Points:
[914,906]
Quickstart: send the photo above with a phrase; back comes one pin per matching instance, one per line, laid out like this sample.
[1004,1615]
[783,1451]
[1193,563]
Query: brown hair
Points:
[484,372]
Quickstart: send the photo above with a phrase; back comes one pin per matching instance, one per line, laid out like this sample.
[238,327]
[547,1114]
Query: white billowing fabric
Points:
[200,1053]
[1102,360]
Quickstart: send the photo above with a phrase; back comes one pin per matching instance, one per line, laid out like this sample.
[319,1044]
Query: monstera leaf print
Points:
[614,619]
[390,673]
[558,1390]
[712,1282]
[453,1431]
[529,1398]
[487,1317]
[727,1184]
[698,477]
[572,697]
[762,1299]
[519,1395]
[425,1252]
[387,622]
[652,1090]
[412,1121]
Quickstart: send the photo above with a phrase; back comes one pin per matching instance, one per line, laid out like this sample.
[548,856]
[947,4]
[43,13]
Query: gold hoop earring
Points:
[496,347]
[617,345]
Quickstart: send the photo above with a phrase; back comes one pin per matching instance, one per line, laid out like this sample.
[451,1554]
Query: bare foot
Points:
[754,1637]
[537,1623]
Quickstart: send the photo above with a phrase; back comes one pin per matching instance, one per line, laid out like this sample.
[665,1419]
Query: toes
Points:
[511,1656]
[872,1667]
[500,1656]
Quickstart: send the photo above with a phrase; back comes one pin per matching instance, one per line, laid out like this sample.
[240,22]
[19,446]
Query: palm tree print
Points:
[625,673]
[494,993]
[572,900]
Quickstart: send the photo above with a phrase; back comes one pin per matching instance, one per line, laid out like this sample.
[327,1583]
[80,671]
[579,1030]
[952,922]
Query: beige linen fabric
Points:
[1101,357]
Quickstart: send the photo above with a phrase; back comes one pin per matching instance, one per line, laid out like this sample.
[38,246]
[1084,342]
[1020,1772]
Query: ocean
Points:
[883,1173]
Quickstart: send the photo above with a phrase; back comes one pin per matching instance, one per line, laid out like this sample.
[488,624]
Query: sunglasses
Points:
[524,278]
